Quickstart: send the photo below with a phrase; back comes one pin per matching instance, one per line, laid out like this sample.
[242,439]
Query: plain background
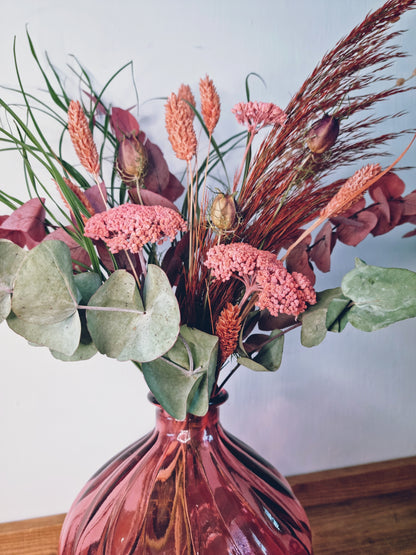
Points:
[348,401]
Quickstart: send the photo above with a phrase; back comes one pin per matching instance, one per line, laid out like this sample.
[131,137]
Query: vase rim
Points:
[218,399]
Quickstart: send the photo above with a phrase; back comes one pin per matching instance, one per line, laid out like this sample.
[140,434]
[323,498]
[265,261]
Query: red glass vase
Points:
[188,487]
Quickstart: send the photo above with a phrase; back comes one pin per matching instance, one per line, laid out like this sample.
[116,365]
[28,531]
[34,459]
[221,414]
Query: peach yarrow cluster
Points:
[255,115]
[262,273]
[131,226]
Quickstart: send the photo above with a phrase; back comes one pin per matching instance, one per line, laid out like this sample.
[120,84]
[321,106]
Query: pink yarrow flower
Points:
[131,226]
[255,115]
[262,273]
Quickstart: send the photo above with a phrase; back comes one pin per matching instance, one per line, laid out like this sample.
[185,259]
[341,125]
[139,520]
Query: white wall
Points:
[348,401]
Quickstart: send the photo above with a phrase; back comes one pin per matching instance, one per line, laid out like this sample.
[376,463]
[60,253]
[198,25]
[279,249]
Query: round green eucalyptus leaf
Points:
[381,296]
[87,284]
[323,315]
[126,328]
[44,288]
[83,352]
[172,386]
[270,355]
[11,257]
[60,336]
[182,380]
[251,364]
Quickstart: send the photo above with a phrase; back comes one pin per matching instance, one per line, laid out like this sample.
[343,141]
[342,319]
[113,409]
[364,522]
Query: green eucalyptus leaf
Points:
[60,336]
[322,316]
[381,296]
[337,314]
[182,380]
[270,355]
[83,352]
[11,257]
[126,328]
[87,284]
[44,288]
[251,364]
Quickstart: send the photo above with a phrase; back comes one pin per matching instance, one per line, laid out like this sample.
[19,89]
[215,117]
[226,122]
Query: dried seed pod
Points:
[323,134]
[132,160]
[223,214]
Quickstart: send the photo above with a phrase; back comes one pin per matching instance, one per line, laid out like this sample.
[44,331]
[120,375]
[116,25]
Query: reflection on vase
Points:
[188,487]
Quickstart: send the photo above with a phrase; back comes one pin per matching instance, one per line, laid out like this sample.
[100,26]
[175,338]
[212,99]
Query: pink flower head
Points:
[236,259]
[282,292]
[261,272]
[255,115]
[131,226]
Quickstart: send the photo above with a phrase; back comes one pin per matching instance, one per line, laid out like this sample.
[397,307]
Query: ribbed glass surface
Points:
[187,487]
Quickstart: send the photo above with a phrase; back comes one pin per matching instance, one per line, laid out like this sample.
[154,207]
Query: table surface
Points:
[368,509]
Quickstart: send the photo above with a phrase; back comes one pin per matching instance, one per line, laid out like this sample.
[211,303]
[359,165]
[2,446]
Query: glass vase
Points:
[188,487]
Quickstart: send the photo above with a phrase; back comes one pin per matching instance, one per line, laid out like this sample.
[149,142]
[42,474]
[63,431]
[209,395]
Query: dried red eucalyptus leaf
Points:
[123,124]
[158,178]
[386,192]
[320,252]
[123,261]
[409,212]
[174,259]
[149,198]
[255,342]
[26,225]
[386,223]
[409,204]
[267,322]
[389,185]
[298,259]
[97,194]
[354,229]
[99,107]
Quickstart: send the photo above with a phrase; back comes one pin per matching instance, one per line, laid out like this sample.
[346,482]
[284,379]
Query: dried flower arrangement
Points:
[87,272]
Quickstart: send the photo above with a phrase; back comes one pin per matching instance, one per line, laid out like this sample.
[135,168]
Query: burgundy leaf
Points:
[255,342]
[99,109]
[356,207]
[268,322]
[149,198]
[389,207]
[123,261]
[104,255]
[96,195]
[387,223]
[174,259]
[354,229]
[16,237]
[26,225]
[158,178]
[298,260]
[409,204]
[320,252]
[123,123]
[172,265]
[410,233]
[389,185]
[174,188]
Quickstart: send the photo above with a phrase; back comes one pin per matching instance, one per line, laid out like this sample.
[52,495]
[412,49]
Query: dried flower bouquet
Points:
[112,264]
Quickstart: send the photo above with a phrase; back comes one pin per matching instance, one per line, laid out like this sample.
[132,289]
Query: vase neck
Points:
[195,428]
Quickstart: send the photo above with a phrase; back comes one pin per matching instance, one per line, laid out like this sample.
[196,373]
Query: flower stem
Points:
[240,170]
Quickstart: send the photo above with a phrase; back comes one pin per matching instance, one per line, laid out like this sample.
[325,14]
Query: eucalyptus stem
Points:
[231,373]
